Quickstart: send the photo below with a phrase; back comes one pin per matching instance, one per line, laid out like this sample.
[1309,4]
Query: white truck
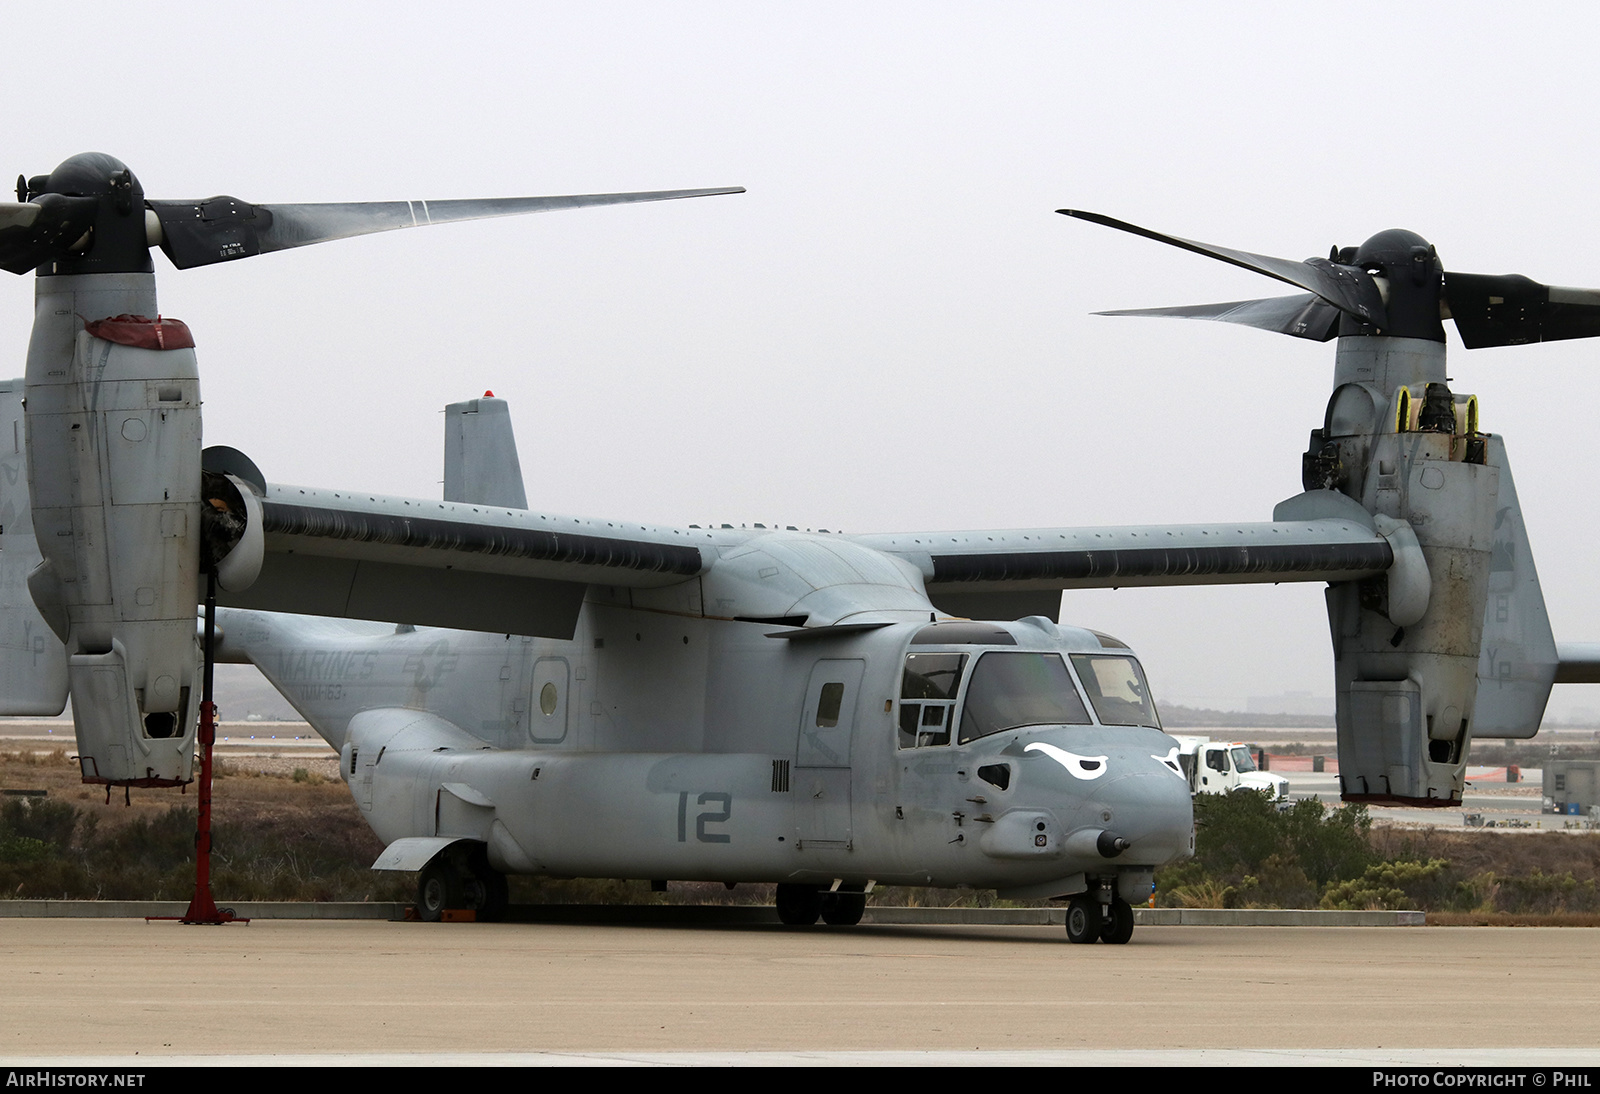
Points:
[1221,767]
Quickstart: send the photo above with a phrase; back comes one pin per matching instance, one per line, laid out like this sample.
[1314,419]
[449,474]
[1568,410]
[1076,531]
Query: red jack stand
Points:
[202,908]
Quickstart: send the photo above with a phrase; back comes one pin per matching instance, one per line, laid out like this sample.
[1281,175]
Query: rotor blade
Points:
[1511,310]
[32,231]
[1347,288]
[17,214]
[219,229]
[1304,315]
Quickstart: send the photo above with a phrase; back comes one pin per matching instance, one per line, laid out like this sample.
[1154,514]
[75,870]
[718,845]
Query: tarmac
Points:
[93,984]
[680,915]
[117,991]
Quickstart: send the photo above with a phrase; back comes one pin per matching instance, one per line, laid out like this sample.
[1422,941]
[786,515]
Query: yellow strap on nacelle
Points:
[1402,411]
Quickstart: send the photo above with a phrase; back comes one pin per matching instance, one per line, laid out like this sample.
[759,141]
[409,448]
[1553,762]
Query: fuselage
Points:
[663,744]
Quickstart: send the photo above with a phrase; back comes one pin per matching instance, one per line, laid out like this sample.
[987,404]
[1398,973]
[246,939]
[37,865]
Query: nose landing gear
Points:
[1118,926]
[1089,920]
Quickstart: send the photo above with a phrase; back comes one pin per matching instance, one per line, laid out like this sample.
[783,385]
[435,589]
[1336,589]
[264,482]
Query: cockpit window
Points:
[963,632]
[928,697]
[1117,688]
[932,675]
[1019,689]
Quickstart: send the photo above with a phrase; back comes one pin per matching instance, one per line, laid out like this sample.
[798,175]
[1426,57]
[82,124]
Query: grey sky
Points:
[891,330]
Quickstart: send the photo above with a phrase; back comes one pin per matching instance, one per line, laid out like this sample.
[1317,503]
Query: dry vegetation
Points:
[1249,855]
[294,835]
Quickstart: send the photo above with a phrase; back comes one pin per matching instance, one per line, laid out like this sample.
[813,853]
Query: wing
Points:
[1004,574]
[450,564]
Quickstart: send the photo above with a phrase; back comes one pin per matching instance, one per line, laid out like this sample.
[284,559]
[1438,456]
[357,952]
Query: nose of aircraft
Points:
[1123,781]
[1149,806]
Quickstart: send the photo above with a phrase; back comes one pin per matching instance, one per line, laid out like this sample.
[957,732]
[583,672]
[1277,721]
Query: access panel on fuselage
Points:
[822,752]
[547,718]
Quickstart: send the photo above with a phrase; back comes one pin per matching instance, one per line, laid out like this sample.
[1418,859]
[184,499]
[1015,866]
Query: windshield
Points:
[1243,762]
[1008,690]
[1117,689]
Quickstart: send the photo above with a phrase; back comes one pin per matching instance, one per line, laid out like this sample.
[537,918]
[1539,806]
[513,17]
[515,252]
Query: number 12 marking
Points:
[708,817]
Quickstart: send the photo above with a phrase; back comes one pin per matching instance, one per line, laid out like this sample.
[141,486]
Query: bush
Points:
[1387,885]
[1330,844]
[153,858]
[50,822]
[1249,853]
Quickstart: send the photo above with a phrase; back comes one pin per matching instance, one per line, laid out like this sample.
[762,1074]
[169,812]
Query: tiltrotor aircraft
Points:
[512,691]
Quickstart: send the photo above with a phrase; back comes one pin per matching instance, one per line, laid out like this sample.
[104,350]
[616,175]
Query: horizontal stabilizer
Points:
[1579,663]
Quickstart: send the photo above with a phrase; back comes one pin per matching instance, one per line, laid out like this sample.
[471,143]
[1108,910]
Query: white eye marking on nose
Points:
[1171,760]
[1079,767]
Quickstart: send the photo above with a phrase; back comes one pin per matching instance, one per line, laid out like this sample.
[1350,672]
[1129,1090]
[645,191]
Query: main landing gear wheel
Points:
[799,905]
[486,891]
[843,909]
[438,888]
[498,898]
[486,894]
[1119,928]
[462,881]
[1083,920]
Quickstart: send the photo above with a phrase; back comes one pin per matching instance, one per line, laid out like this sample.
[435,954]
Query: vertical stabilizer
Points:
[480,455]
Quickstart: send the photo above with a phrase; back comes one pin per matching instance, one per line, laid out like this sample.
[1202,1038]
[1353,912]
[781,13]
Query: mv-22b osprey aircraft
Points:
[513,691]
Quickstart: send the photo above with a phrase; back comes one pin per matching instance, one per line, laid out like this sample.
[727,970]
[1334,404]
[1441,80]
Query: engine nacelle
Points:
[1409,452]
[235,542]
[1408,687]
[113,437]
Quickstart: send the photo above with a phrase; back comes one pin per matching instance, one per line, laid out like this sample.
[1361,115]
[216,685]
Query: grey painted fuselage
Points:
[659,744]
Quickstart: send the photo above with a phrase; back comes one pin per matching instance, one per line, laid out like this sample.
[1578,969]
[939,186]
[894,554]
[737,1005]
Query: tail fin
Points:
[480,455]
[33,661]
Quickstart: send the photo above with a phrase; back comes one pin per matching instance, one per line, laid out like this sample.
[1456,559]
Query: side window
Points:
[828,703]
[928,697]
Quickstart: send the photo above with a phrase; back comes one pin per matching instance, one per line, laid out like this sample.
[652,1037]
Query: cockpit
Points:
[962,695]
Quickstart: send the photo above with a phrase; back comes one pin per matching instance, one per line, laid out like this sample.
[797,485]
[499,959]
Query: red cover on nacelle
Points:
[142,332]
